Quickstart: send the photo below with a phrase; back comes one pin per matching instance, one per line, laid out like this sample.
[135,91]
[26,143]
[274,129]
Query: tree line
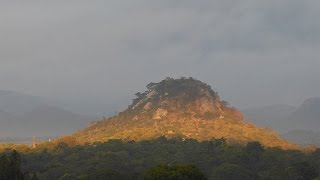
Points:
[168,159]
[10,167]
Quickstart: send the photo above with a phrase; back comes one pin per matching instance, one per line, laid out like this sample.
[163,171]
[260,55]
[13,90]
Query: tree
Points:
[224,103]
[102,174]
[15,166]
[27,176]
[4,164]
[10,167]
[151,85]
[67,177]
[301,170]
[61,146]
[166,172]
[232,172]
[254,151]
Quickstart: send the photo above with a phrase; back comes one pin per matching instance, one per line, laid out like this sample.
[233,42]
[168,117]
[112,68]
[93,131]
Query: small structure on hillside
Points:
[34,142]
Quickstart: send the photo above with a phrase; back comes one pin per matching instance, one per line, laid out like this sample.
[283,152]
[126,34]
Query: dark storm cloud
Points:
[253,52]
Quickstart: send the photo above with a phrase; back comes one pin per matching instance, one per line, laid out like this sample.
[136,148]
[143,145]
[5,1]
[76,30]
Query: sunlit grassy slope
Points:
[184,108]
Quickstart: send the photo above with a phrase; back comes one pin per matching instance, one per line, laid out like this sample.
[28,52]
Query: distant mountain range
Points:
[300,125]
[307,116]
[17,103]
[273,116]
[24,115]
[303,137]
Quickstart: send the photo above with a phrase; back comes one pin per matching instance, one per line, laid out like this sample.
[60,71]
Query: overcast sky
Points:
[253,53]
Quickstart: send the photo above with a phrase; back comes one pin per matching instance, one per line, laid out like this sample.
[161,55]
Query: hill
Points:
[41,121]
[286,118]
[303,137]
[307,116]
[24,116]
[184,108]
[52,121]
[17,103]
[273,116]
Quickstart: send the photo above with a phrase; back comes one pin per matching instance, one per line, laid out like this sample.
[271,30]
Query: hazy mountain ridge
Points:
[26,116]
[307,116]
[54,121]
[303,137]
[298,125]
[183,107]
[43,121]
[306,123]
[17,103]
[285,118]
[272,116]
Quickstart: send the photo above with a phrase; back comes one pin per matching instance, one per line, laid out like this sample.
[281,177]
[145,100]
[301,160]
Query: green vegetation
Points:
[10,168]
[174,172]
[186,90]
[207,116]
[183,86]
[169,158]
[207,140]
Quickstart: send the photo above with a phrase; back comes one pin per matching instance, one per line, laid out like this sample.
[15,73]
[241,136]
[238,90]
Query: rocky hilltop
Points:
[184,108]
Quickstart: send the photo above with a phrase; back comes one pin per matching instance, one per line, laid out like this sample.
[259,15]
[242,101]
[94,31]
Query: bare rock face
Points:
[160,113]
[183,107]
[147,106]
[179,96]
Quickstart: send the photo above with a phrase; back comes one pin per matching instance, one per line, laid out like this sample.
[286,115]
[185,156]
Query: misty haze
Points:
[171,89]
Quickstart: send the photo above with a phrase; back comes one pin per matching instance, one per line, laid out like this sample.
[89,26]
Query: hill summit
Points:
[175,98]
[184,108]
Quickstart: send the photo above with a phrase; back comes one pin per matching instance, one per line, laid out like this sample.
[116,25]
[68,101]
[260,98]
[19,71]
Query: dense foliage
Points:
[10,167]
[166,172]
[183,86]
[216,159]
[186,90]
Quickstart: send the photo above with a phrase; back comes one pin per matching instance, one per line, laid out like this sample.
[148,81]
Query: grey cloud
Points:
[254,52]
